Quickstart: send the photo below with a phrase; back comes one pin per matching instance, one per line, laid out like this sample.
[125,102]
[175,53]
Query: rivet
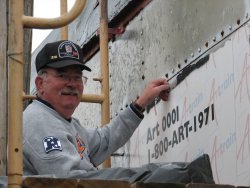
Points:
[199,50]
[222,33]
[172,71]
[230,27]
[192,54]
[238,21]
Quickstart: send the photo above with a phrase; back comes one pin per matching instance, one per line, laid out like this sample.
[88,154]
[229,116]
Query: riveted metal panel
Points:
[164,38]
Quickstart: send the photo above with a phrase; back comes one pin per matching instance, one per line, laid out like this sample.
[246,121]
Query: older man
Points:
[54,141]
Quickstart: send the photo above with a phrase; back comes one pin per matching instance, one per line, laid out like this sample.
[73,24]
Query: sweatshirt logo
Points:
[80,146]
[51,143]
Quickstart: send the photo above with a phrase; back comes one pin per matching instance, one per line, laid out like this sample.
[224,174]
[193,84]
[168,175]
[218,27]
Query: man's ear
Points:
[39,83]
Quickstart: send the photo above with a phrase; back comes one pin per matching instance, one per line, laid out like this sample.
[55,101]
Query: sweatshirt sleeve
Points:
[106,140]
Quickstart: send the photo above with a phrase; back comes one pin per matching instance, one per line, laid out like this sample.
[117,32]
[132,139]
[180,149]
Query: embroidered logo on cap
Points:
[51,143]
[68,49]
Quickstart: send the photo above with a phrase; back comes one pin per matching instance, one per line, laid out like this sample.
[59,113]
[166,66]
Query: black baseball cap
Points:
[60,54]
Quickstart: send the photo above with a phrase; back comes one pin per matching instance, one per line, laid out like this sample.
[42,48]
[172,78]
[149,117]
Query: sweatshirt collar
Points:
[50,106]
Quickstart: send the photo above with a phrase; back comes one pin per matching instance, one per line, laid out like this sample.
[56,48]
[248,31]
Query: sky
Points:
[45,9]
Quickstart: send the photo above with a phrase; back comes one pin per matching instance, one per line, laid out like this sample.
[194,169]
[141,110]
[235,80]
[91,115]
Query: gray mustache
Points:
[69,91]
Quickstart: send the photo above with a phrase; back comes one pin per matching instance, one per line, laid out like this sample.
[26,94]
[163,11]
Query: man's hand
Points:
[156,88]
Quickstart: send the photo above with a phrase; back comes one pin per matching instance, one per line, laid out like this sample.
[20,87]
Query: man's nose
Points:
[71,81]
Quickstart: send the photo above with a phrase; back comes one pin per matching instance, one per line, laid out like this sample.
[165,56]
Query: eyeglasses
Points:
[76,78]
[80,79]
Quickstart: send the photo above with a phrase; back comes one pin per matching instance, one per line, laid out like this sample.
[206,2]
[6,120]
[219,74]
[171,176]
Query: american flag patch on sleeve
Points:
[51,143]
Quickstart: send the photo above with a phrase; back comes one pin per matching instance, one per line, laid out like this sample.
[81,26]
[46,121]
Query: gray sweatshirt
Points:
[55,146]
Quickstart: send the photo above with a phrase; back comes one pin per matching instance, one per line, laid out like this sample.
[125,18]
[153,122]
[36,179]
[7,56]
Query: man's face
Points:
[62,88]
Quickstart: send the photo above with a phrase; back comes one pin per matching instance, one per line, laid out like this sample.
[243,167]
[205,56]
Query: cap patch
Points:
[60,54]
[68,49]
[51,143]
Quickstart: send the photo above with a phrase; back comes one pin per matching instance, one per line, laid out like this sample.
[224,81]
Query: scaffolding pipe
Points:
[104,61]
[15,90]
[85,98]
[63,10]
[52,23]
